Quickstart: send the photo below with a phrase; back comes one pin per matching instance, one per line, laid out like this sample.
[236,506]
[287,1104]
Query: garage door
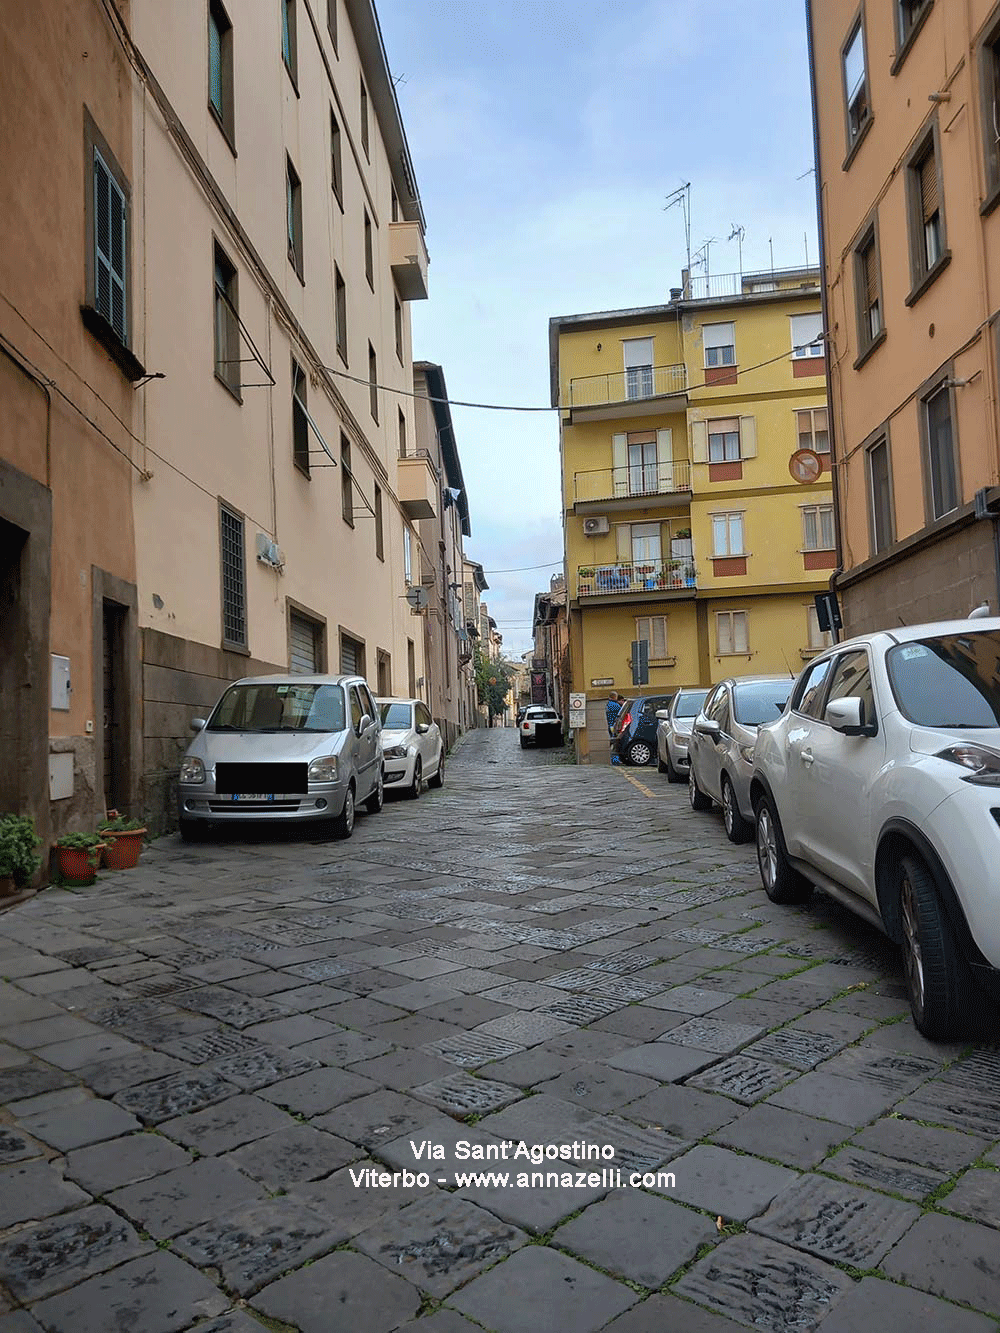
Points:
[304,646]
[350,656]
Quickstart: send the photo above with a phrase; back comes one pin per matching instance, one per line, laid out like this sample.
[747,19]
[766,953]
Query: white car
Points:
[540,726]
[881,784]
[412,746]
[673,733]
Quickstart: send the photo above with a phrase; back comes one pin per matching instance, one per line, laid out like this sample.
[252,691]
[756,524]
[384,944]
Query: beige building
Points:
[70,363]
[446,644]
[906,105]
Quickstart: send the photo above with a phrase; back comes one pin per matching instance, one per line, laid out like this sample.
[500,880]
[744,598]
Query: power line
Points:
[524,569]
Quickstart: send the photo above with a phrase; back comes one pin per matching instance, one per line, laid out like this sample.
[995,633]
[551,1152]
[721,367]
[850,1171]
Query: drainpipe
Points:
[838,537]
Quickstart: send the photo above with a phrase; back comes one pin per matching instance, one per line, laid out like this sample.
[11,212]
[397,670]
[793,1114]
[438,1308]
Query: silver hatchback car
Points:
[720,754]
[284,748]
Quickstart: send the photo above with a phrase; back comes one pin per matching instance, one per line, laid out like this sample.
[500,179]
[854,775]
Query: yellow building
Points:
[698,511]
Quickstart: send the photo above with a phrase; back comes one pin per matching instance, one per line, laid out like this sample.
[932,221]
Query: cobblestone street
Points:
[209,1066]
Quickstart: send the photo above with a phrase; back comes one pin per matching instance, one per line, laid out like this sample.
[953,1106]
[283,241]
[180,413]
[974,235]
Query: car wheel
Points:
[738,829]
[377,799]
[782,882]
[698,799]
[639,754]
[413,790]
[524,743]
[343,824]
[438,779]
[673,775]
[937,977]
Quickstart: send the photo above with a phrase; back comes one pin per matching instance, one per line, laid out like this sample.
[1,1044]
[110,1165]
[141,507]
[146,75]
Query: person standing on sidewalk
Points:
[611,710]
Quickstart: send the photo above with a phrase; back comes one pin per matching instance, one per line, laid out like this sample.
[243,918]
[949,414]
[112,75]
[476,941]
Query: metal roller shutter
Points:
[303,656]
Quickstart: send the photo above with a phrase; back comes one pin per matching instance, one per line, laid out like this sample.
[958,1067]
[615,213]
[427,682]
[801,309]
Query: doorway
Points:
[115,707]
[12,657]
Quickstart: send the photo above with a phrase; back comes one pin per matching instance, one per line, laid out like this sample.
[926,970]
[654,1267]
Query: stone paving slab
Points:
[951,1258]
[34,1190]
[836,1221]
[874,1303]
[636,1236]
[361,1292]
[49,1256]
[728,1184]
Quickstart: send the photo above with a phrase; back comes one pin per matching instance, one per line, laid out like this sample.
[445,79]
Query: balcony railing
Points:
[635,576]
[645,480]
[627,386]
[705,286]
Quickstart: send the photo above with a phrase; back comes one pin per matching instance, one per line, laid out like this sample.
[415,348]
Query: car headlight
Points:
[681,741]
[323,769]
[192,769]
[983,764]
[395,752]
[746,753]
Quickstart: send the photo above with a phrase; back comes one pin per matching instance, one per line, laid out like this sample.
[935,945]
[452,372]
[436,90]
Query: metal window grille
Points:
[234,595]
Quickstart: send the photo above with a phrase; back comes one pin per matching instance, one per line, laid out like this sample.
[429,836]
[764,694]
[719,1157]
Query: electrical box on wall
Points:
[61,776]
[61,687]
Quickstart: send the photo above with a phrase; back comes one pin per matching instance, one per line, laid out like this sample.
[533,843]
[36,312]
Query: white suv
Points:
[881,784]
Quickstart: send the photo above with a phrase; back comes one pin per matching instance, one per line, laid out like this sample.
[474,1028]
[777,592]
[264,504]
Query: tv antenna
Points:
[738,231]
[682,196]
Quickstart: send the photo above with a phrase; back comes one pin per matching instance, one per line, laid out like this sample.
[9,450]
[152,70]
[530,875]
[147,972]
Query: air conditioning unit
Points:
[595,525]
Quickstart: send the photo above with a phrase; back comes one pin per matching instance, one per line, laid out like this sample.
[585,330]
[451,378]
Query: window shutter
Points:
[928,187]
[303,656]
[214,63]
[748,437]
[741,641]
[109,248]
[619,460]
[623,540]
[699,441]
[664,460]
[870,275]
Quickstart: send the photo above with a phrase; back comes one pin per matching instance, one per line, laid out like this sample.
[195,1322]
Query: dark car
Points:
[633,740]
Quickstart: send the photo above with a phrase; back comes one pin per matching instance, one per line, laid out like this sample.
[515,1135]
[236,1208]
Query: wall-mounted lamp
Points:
[939,97]
[598,346]
[960,384]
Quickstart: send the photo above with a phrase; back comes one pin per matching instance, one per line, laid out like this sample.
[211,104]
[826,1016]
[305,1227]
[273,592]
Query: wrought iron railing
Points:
[622,483]
[635,576]
[625,386]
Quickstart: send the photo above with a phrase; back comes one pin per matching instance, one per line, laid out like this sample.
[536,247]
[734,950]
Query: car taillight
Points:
[625,722]
[524,726]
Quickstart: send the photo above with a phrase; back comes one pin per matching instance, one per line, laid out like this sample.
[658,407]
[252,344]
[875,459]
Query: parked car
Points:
[633,739]
[540,726]
[721,749]
[294,749]
[881,784]
[673,732]
[412,744]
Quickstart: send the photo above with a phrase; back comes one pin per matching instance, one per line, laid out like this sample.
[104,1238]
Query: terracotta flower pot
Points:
[79,865]
[7,886]
[121,850]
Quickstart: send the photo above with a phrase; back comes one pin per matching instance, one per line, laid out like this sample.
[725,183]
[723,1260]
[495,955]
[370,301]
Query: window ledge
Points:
[223,129]
[862,136]
[240,648]
[911,37]
[291,78]
[929,278]
[302,471]
[341,352]
[991,200]
[126,361]
[873,346]
[230,389]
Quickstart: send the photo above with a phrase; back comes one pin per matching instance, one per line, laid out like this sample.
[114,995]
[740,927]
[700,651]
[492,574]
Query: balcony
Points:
[408,260]
[626,393]
[417,485]
[636,487]
[633,578]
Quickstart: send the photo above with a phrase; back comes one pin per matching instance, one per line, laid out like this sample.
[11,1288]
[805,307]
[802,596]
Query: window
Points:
[234,586]
[926,213]
[393,205]
[811,429]
[383,672]
[407,555]
[411,668]
[817,638]
[654,630]
[731,633]
[724,441]
[646,545]
[727,534]
[852,679]
[305,645]
[379,534]
[352,656]
[989,85]
[880,491]
[717,707]
[638,354]
[856,85]
[398,312]
[340,311]
[300,421]
[402,434]
[868,292]
[227,329]
[331,21]
[293,201]
[289,50]
[809,695]
[807,335]
[336,160]
[220,68]
[642,469]
[373,381]
[909,14]
[942,485]
[111,226]
[364,120]
[369,253]
[346,481]
[817,527]
[720,344]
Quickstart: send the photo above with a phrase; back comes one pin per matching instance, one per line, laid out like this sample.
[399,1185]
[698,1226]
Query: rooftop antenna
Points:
[805,242]
[682,196]
[738,231]
[701,258]
[770,243]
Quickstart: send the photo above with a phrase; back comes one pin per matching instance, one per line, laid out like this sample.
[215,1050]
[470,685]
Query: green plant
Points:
[682,532]
[120,825]
[83,842]
[18,841]
[587,573]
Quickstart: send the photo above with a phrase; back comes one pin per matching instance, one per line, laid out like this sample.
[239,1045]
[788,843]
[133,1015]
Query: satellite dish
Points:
[417,597]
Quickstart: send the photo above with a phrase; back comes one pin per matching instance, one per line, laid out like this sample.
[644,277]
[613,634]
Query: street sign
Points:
[640,661]
[828,613]
[577,711]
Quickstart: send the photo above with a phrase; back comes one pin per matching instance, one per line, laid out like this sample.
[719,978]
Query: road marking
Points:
[636,783]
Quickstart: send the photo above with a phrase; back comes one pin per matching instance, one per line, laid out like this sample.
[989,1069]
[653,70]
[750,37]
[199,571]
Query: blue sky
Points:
[546,136]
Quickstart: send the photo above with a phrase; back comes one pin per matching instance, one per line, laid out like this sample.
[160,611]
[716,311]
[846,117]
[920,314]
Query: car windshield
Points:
[759,701]
[689,703]
[542,714]
[279,707]
[396,717]
[948,680]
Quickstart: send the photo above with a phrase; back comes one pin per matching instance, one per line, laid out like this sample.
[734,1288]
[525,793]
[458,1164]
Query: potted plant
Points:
[18,859]
[682,532]
[122,840]
[79,855]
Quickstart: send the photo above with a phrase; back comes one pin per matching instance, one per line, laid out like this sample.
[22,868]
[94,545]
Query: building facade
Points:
[697,498]
[906,105]
[550,657]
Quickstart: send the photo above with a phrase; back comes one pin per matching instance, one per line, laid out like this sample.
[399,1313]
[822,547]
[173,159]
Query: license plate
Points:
[254,796]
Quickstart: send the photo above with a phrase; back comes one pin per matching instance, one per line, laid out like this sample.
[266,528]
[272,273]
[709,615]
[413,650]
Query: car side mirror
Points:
[663,714]
[365,723]
[198,723]
[848,716]
[422,728]
[707,726]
